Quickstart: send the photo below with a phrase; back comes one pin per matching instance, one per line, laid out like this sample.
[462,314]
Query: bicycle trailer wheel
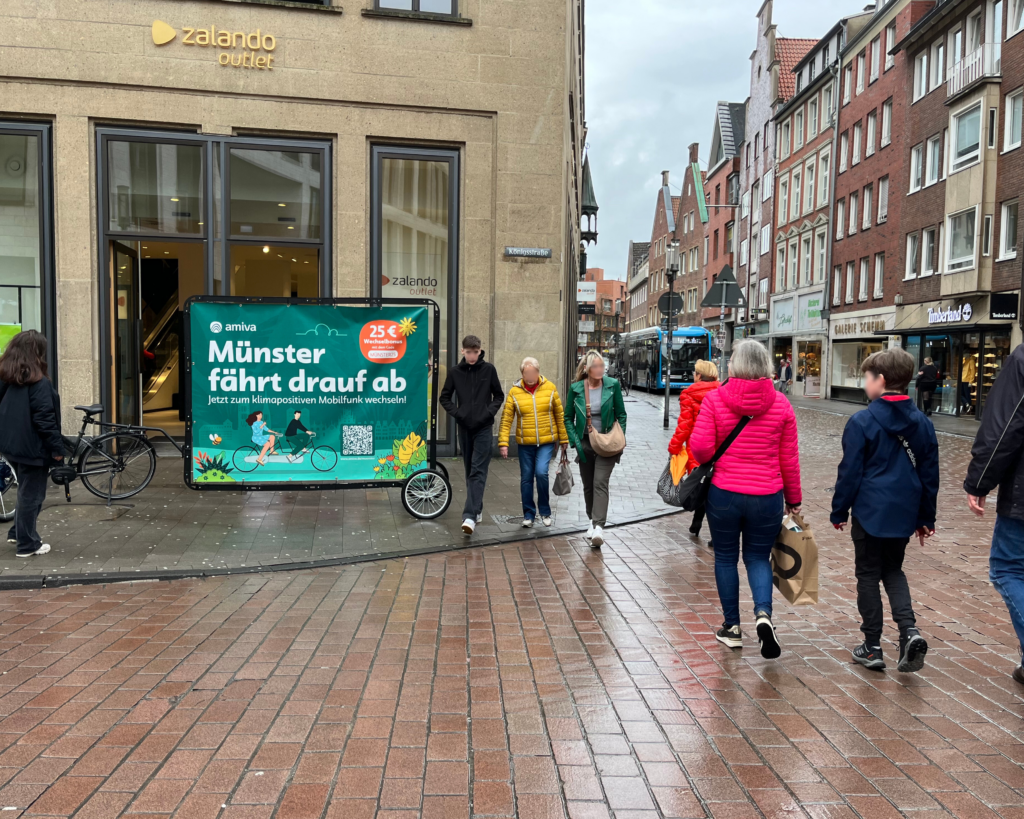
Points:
[8,491]
[323,459]
[427,495]
[244,459]
[117,465]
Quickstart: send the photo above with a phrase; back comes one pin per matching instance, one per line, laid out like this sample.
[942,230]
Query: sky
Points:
[654,71]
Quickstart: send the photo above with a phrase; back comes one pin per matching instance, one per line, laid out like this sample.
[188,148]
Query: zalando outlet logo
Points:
[238,49]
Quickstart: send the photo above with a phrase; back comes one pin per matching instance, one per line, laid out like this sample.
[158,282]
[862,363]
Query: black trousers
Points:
[880,560]
[476,456]
[31,494]
[926,399]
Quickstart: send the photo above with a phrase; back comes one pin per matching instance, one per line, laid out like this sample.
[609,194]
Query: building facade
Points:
[690,235]
[663,231]
[636,296]
[609,318]
[261,148]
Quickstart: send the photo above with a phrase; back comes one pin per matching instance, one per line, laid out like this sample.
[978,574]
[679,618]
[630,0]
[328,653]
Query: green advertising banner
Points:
[306,394]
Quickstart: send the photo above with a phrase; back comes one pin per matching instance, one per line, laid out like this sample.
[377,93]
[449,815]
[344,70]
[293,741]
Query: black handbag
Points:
[693,489]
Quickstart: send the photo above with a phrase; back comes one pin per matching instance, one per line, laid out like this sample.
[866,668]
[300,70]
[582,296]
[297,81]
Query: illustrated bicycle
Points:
[322,458]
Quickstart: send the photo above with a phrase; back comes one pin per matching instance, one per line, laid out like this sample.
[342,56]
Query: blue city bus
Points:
[643,356]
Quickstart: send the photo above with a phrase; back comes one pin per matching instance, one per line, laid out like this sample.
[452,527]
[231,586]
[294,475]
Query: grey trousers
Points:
[596,472]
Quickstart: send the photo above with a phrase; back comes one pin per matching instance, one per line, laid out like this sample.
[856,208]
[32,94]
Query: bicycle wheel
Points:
[426,495]
[8,491]
[117,465]
[239,462]
[323,459]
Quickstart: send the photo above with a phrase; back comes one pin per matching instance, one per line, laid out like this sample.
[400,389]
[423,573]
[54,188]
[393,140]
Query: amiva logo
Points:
[216,327]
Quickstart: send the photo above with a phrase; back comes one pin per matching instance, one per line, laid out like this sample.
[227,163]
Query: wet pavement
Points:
[538,680]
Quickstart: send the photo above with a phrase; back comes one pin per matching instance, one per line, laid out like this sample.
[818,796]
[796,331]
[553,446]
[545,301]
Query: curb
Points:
[52,581]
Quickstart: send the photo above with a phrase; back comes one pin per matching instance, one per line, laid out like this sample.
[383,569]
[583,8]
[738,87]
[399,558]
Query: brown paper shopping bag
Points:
[795,562]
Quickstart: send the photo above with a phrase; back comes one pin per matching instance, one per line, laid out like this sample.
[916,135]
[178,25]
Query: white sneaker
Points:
[598,537]
[42,550]
[468,525]
[527,523]
[12,540]
[590,532]
[546,521]
[480,517]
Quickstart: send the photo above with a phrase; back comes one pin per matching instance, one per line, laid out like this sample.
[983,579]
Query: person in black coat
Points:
[997,459]
[927,381]
[30,434]
[472,395]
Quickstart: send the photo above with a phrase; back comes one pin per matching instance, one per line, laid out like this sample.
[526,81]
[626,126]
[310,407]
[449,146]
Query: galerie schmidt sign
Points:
[237,49]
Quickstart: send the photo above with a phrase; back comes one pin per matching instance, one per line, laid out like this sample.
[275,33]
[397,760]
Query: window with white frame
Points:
[826,106]
[844,149]
[840,218]
[745,205]
[806,248]
[872,134]
[879,275]
[1014,104]
[890,41]
[962,233]
[876,57]
[868,208]
[796,196]
[850,273]
[847,83]
[993,115]
[783,201]
[864,270]
[883,199]
[928,248]
[823,180]
[858,132]
[837,284]
[860,73]
[798,128]
[812,118]
[1015,20]
[762,293]
[780,269]
[755,198]
[766,239]
[920,75]
[794,264]
[809,187]
[784,140]
[821,240]
[886,122]
[938,64]
[744,249]
[766,185]
[966,138]
[854,199]
[913,256]
[1008,231]
[916,168]
[932,162]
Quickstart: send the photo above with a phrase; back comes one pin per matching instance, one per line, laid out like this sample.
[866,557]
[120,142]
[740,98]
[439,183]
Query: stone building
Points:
[156,150]
[636,282]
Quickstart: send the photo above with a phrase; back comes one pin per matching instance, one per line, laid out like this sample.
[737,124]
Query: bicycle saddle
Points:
[92,409]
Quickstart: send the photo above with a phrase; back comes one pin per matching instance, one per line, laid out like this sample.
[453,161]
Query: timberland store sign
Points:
[236,49]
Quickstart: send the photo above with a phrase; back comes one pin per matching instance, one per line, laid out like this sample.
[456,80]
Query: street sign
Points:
[587,326]
[725,292]
[677,303]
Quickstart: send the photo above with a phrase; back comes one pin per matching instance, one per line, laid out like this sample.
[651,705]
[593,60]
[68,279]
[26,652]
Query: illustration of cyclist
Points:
[262,435]
[298,437]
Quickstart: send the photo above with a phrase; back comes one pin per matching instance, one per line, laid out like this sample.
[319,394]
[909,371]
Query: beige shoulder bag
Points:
[607,444]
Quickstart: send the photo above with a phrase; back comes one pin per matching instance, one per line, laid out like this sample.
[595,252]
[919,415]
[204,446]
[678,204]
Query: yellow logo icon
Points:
[163,33]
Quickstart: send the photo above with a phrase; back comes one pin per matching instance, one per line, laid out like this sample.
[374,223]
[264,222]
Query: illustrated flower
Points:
[397,467]
[407,327]
[409,447]
[381,461]
[391,457]
[376,469]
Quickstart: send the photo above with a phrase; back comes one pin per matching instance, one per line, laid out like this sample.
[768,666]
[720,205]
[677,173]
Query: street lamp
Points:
[671,270]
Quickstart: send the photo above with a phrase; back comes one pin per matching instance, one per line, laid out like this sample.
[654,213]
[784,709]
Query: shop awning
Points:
[938,330]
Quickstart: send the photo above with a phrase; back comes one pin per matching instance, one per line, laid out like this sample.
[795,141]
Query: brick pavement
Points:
[535,680]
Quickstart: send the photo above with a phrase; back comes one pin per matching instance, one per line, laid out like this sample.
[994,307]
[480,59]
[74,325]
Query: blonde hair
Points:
[706,370]
[588,361]
[529,361]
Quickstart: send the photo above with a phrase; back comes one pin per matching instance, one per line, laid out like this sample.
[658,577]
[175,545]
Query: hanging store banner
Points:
[306,395]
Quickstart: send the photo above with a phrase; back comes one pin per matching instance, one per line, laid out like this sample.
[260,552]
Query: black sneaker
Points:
[770,648]
[695,528]
[913,649]
[730,636]
[869,656]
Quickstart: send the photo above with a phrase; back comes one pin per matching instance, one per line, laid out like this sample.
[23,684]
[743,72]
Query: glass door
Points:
[912,344]
[808,367]
[127,330]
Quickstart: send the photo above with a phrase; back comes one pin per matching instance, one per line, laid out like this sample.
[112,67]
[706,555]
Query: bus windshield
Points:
[686,351]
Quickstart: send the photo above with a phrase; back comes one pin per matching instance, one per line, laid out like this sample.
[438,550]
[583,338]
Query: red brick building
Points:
[867,248]
[690,235]
[610,311]
[662,232]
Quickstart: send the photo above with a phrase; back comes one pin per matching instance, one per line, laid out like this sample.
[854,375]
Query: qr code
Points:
[357,440]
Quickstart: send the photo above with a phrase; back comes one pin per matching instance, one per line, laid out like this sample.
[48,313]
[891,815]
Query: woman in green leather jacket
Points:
[606,407]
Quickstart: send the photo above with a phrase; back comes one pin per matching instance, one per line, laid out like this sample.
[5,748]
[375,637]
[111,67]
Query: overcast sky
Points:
[655,69]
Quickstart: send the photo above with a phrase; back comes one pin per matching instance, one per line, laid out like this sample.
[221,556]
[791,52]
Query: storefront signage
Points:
[239,49]
[586,292]
[293,394]
[1004,307]
[528,252]
[809,312]
[782,316]
[858,326]
[586,326]
[950,314]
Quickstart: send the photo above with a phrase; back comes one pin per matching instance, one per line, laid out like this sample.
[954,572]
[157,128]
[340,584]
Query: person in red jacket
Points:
[690,399]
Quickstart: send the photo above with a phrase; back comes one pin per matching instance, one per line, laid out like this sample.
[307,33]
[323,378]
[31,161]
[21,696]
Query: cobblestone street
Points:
[535,680]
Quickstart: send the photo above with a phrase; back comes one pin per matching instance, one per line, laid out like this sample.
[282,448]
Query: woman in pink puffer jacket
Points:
[758,474]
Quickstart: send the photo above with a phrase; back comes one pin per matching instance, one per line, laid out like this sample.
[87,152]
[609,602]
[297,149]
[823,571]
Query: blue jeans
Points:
[1006,568]
[534,462]
[757,518]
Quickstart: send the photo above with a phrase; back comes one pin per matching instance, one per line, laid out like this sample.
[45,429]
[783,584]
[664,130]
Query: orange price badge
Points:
[382,341]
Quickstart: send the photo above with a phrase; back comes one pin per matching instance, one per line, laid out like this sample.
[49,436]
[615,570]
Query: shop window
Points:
[1014,103]
[154,188]
[966,138]
[426,6]
[26,259]
[847,358]
[275,194]
[1008,231]
[962,229]
[994,355]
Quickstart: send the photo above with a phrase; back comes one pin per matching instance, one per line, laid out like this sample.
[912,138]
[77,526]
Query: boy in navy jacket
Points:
[889,477]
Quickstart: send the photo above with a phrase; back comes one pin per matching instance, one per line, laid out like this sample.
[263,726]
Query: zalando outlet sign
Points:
[237,49]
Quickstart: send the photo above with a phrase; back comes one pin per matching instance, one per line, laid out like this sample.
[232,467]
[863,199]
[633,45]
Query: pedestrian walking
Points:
[785,374]
[705,380]
[889,477]
[472,395]
[755,477]
[927,381]
[996,460]
[30,433]
[595,404]
[540,427]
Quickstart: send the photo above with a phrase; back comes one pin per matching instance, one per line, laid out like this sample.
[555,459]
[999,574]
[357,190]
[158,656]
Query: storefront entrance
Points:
[808,368]
[968,363]
[191,216]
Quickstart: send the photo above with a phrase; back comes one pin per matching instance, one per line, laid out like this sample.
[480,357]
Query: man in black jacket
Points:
[475,385]
[996,460]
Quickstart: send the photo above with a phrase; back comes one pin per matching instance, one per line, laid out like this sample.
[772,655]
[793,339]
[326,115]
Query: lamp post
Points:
[672,268]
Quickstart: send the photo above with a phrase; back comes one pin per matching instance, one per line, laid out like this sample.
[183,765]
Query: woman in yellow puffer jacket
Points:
[541,425]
